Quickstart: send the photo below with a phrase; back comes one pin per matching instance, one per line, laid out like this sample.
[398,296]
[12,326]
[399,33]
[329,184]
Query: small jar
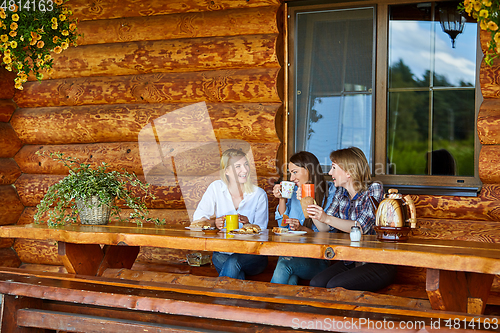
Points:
[355,232]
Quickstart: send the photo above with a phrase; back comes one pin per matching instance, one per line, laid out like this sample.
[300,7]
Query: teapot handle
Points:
[413,211]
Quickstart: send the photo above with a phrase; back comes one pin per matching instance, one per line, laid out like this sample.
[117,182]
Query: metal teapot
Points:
[395,210]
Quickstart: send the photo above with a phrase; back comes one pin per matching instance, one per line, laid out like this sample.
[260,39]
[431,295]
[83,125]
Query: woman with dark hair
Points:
[351,202]
[304,168]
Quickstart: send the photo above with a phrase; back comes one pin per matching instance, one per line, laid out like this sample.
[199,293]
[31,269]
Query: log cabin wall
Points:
[140,60]
[136,62]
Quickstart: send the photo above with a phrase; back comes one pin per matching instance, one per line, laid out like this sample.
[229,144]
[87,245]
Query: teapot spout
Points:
[374,203]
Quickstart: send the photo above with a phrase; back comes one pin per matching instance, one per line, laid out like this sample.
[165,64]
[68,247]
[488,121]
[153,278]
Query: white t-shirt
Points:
[217,201]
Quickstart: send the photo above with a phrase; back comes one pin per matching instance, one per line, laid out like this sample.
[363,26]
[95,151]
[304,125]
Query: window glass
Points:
[334,78]
[431,97]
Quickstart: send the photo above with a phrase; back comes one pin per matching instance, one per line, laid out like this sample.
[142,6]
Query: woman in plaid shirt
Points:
[351,175]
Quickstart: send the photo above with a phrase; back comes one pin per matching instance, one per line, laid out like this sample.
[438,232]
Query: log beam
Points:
[488,122]
[9,141]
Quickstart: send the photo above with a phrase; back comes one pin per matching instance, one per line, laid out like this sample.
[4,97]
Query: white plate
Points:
[193,229]
[291,233]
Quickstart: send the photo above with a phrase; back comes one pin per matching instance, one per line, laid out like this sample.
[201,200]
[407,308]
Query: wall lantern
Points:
[452,22]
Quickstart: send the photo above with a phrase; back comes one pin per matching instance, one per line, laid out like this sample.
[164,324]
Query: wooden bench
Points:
[130,301]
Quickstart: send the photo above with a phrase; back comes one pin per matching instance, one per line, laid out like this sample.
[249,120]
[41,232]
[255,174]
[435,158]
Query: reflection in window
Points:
[334,55]
[431,95]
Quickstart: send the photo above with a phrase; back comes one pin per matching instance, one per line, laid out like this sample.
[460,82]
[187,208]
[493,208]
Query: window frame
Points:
[411,184]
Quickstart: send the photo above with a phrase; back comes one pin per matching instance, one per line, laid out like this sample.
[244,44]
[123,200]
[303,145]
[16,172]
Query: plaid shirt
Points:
[359,208]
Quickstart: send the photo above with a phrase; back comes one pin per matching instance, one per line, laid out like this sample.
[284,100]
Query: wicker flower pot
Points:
[92,212]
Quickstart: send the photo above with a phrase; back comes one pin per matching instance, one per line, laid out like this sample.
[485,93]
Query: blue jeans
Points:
[290,269]
[367,277]
[237,265]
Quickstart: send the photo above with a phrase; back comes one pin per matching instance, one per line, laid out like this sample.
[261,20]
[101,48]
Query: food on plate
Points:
[279,230]
[247,229]
[201,224]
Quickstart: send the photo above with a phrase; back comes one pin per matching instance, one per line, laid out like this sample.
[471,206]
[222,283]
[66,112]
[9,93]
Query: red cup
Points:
[307,190]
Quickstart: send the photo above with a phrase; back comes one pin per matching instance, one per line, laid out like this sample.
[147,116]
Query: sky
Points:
[410,41]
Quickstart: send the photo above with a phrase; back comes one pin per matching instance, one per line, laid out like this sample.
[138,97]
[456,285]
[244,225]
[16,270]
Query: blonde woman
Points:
[235,193]
[351,175]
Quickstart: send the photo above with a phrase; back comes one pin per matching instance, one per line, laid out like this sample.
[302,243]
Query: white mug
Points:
[287,189]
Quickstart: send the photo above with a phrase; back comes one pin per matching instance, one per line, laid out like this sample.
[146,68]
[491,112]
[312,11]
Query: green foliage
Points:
[84,182]
[28,34]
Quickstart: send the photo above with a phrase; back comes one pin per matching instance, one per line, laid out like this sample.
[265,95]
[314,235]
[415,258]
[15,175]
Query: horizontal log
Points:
[6,83]
[7,108]
[225,86]
[37,252]
[171,216]
[252,122]
[489,160]
[157,255]
[232,22]
[485,207]
[9,258]
[488,122]
[6,242]
[32,188]
[475,231]
[85,10]
[488,78]
[126,155]
[9,171]
[9,141]
[11,207]
[178,55]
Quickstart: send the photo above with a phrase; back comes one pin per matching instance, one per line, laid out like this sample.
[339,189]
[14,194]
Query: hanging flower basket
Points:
[487,14]
[30,30]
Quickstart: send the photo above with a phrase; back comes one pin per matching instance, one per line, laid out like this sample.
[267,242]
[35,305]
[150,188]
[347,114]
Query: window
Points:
[388,79]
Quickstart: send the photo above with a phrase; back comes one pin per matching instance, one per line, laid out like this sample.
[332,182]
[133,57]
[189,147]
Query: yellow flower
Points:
[13,33]
[47,57]
[40,44]
[483,13]
[19,86]
[34,35]
[54,26]
[2,13]
[50,71]
[7,53]
[4,38]
[57,49]
[64,45]
[487,3]
[483,25]
[62,17]
[65,33]
[72,27]
[55,39]
[33,42]
[13,26]
[13,44]
[58,2]
[15,17]
[7,60]
[477,6]
[53,20]
[497,37]
[15,8]
[492,26]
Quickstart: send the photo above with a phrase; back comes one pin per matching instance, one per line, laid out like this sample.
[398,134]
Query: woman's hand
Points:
[219,222]
[243,219]
[294,224]
[299,193]
[277,191]
[317,213]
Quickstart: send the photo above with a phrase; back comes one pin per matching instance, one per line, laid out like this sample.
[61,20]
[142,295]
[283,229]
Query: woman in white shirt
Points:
[235,194]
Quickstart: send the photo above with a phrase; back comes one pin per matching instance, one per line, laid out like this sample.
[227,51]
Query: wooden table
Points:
[459,273]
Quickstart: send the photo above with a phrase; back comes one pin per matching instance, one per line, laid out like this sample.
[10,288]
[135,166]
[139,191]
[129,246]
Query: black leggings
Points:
[367,277]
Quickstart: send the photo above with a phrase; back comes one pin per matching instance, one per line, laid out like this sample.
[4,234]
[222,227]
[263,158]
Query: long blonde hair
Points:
[353,161]
[225,162]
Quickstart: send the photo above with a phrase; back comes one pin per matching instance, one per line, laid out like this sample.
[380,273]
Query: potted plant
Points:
[88,190]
